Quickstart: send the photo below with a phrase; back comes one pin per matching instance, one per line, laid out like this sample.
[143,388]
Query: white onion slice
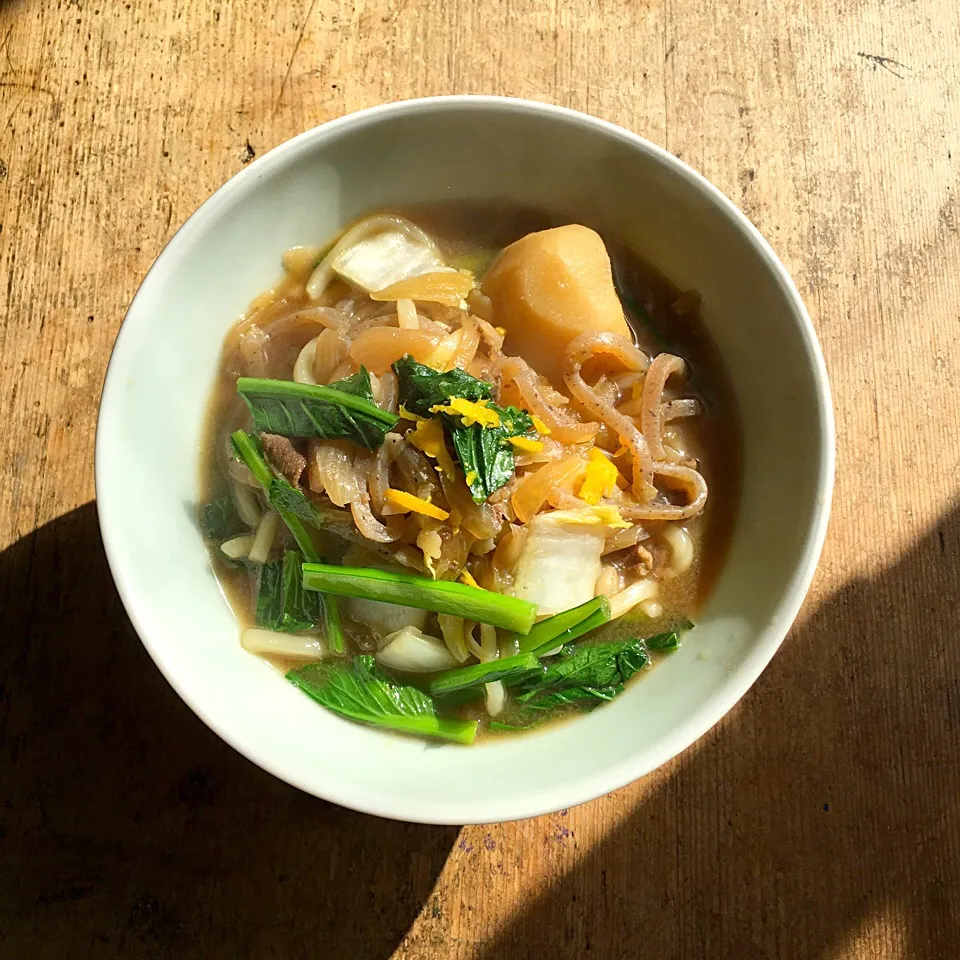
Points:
[384,618]
[303,368]
[238,547]
[494,696]
[415,652]
[247,503]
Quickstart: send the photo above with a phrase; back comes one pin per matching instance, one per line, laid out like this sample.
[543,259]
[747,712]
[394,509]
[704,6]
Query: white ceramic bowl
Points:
[471,148]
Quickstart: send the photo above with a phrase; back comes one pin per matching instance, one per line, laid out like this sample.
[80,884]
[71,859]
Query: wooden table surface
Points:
[819,820]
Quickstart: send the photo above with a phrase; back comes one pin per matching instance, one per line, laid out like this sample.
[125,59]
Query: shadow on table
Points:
[829,802]
[128,829]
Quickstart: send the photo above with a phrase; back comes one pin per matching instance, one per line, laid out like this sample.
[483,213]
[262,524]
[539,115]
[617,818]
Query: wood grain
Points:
[820,819]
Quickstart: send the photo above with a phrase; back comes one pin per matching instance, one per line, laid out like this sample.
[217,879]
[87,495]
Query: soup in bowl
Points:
[514,451]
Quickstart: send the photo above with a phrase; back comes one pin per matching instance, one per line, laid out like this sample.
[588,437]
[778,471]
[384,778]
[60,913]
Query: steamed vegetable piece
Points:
[219,519]
[563,627]
[282,603]
[670,641]
[359,691]
[421,387]
[411,651]
[484,452]
[341,411]
[384,618]
[560,562]
[294,508]
[332,625]
[373,259]
[292,504]
[479,431]
[506,668]
[440,596]
[550,286]
[584,676]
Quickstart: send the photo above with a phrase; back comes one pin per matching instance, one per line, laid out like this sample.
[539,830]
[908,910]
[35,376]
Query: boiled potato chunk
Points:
[547,288]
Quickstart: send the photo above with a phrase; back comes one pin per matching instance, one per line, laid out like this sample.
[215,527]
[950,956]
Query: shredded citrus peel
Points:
[405,414]
[407,501]
[526,444]
[600,479]
[471,412]
[427,436]
[540,426]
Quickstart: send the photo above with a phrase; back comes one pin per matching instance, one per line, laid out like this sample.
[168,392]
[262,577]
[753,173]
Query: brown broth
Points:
[663,318]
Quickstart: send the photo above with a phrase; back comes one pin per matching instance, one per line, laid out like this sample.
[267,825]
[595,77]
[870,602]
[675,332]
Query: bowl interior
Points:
[476,149]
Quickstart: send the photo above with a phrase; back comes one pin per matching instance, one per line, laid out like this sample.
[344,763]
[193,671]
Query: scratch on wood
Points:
[888,63]
[293,56]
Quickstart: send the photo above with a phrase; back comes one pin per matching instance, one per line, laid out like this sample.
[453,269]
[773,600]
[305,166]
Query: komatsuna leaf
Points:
[669,641]
[485,453]
[293,505]
[585,675]
[359,691]
[421,387]
[219,519]
[336,412]
[282,603]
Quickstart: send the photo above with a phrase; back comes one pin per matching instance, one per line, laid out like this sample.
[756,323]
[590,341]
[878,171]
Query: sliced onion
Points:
[488,643]
[368,525]
[494,696]
[407,314]
[375,253]
[411,651]
[237,547]
[331,470]
[384,618]
[295,646]
[452,628]
[246,502]
[303,368]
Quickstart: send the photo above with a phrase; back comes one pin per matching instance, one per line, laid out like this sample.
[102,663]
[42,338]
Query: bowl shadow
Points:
[128,828]
[825,807]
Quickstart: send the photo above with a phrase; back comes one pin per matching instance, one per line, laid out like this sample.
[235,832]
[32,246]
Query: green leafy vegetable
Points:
[341,411]
[498,726]
[507,668]
[357,384]
[670,641]
[451,701]
[440,596]
[219,520]
[360,692]
[292,504]
[333,625]
[563,627]
[484,453]
[282,603]
[584,676]
[421,387]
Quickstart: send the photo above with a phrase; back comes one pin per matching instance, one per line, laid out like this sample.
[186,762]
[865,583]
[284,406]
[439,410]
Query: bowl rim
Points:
[708,714]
